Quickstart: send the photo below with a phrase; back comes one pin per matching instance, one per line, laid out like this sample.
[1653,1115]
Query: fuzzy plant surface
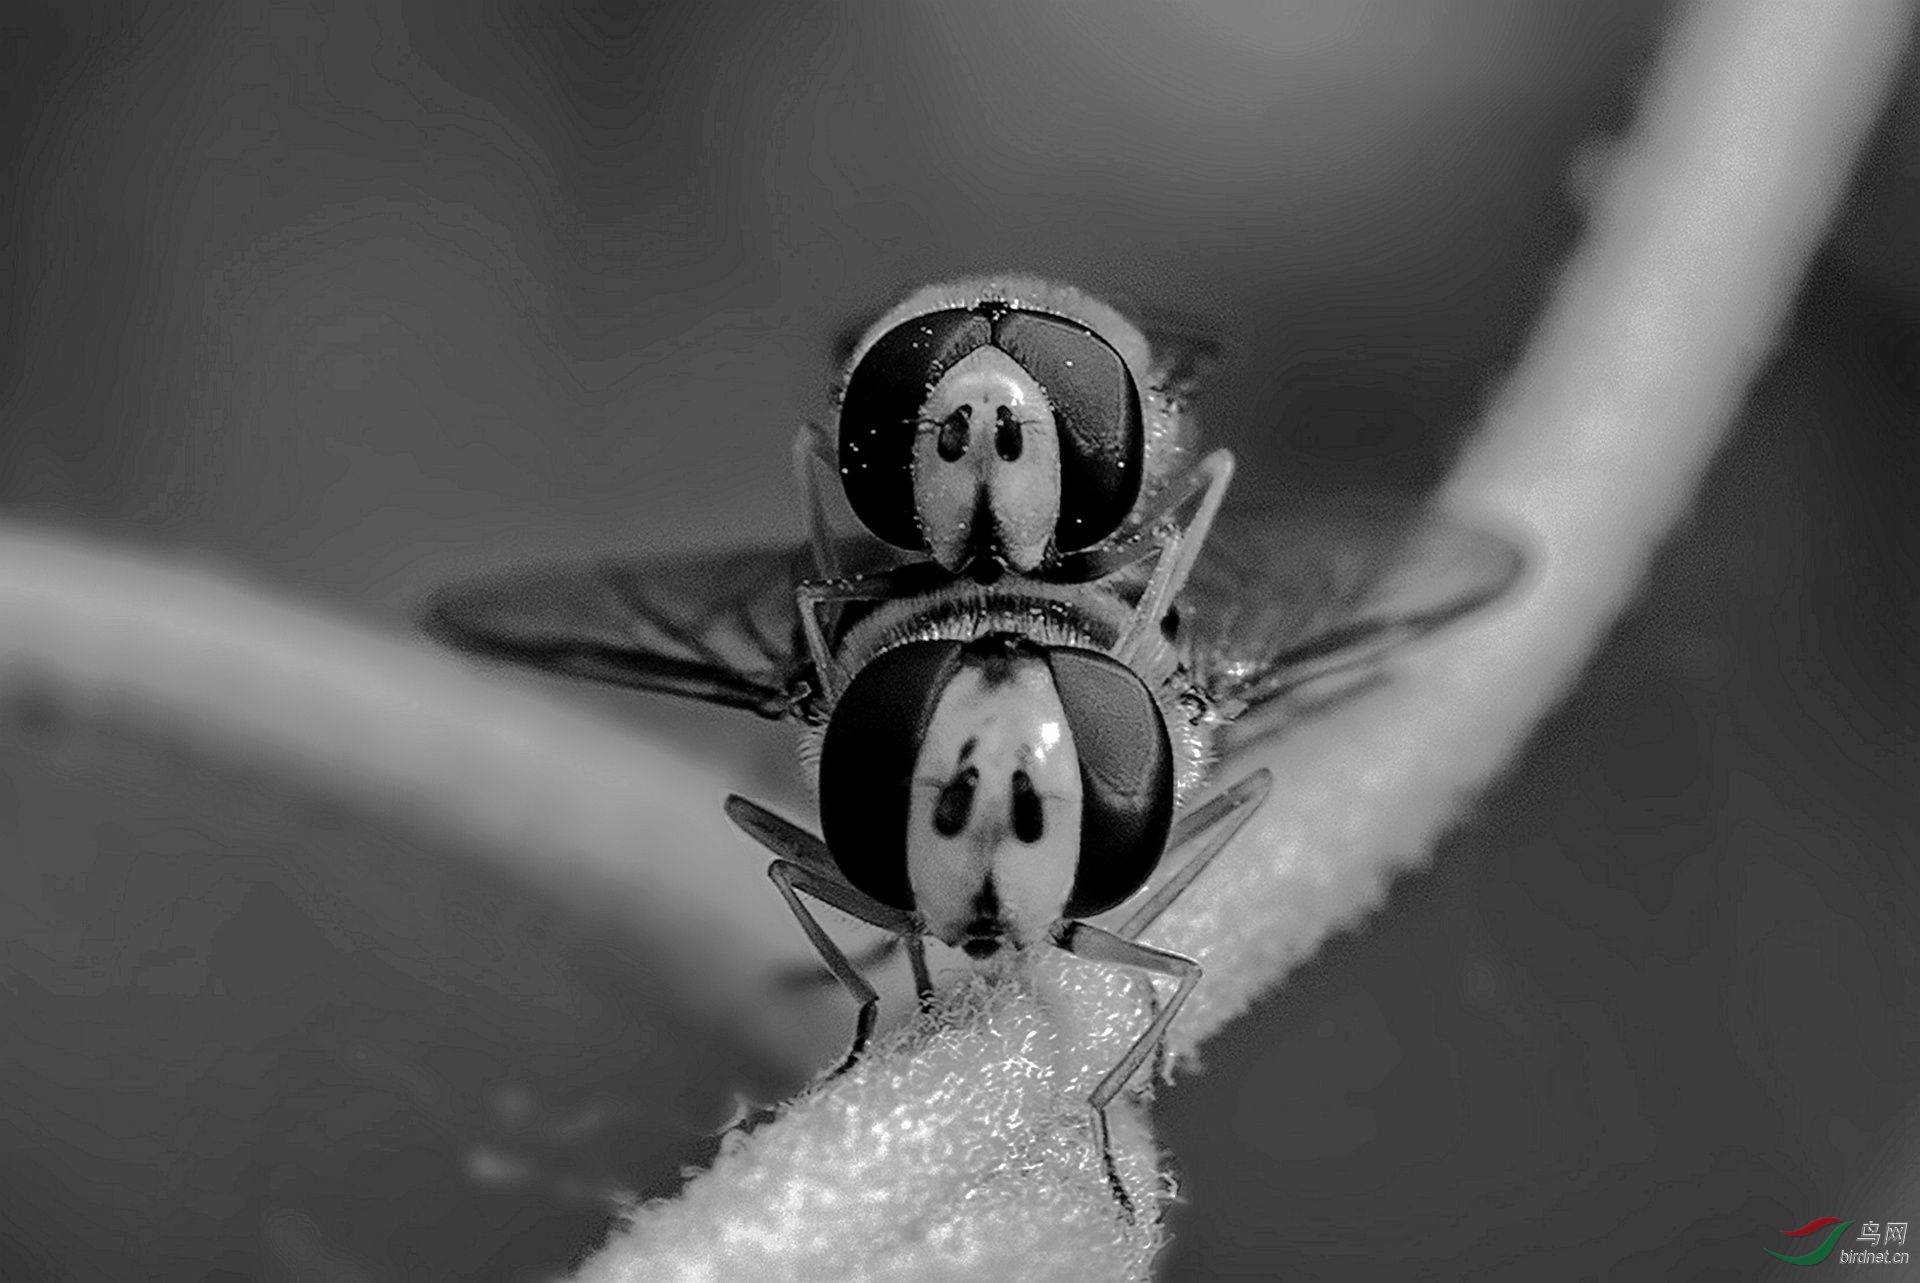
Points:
[960,1147]
[960,1140]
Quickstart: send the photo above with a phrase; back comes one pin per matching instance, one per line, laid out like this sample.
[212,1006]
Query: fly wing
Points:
[1185,352]
[1289,612]
[720,627]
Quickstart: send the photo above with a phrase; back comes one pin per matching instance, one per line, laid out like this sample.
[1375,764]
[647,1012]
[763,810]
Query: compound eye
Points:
[880,410]
[1126,772]
[1096,410]
[867,760]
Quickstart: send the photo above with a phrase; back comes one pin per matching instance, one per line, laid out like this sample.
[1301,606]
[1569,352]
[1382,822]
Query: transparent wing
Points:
[719,627]
[1186,350]
[1288,611]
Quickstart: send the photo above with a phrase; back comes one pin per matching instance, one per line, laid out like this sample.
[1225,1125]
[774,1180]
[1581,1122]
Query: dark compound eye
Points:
[867,759]
[1007,437]
[955,803]
[1096,408]
[1126,776]
[880,411]
[1029,825]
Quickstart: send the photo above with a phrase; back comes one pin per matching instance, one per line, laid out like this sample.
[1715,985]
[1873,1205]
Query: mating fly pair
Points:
[1022,635]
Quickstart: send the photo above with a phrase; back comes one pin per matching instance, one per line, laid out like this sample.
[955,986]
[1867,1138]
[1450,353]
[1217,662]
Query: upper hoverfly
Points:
[999,756]
[1012,424]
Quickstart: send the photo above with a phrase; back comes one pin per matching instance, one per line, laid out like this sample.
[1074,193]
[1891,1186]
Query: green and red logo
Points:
[1807,1231]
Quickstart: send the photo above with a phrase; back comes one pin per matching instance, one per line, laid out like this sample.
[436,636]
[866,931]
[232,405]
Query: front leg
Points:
[866,962]
[814,597]
[1083,940]
[803,863]
[1180,542]
[917,956]
[792,879]
[1218,822]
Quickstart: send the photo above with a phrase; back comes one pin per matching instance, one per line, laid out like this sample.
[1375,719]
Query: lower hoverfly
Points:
[995,763]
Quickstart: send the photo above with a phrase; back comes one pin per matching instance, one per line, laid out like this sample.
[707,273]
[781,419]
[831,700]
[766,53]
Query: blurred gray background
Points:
[362,296]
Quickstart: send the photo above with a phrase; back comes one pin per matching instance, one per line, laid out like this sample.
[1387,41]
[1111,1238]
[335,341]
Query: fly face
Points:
[986,464]
[994,787]
[993,821]
[996,422]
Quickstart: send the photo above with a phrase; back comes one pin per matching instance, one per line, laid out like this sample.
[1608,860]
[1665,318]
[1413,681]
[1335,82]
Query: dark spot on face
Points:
[1028,821]
[996,657]
[1007,438]
[981,540]
[955,804]
[996,670]
[954,433]
[984,933]
[1170,624]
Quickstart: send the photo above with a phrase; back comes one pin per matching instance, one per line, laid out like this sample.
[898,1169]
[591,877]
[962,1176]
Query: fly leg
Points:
[814,467]
[1162,532]
[1213,825]
[1083,940]
[1218,821]
[866,961]
[1180,544]
[917,956]
[916,946]
[792,879]
[802,863]
[815,598]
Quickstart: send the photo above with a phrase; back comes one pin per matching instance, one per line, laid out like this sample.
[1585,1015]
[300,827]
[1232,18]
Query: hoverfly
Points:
[999,758]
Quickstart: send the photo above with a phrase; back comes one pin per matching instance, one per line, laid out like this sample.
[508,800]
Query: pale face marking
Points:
[993,837]
[987,453]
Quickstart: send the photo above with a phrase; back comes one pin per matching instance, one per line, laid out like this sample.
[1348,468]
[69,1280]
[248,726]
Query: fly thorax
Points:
[986,464]
[993,837]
